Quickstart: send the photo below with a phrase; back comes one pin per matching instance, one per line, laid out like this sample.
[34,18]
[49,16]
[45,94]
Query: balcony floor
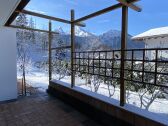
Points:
[41,110]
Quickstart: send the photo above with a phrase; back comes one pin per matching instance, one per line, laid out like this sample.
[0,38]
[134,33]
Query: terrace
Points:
[41,110]
[111,87]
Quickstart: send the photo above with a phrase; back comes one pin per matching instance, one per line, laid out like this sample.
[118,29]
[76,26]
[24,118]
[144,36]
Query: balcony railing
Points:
[145,73]
[142,66]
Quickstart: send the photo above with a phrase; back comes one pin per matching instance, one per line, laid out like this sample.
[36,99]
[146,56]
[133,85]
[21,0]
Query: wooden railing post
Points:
[156,66]
[123,54]
[72,48]
[49,51]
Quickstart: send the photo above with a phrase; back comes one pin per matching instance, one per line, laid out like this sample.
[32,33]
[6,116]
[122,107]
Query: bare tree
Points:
[60,62]
[23,59]
[147,93]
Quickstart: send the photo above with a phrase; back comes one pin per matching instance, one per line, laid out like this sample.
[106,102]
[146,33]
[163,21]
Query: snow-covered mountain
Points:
[60,30]
[88,41]
[84,41]
[111,33]
[112,38]
[81,32]
[78,32]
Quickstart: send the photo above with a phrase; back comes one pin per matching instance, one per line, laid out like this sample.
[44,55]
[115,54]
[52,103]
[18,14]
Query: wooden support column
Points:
[123,53]
[72,48]
[49,51]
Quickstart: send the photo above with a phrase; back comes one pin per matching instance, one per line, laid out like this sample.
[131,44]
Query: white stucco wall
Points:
[8,74]
[157,43]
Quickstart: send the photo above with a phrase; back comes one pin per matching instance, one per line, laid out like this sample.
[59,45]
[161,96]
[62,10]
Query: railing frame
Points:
[123,47]
[132,60]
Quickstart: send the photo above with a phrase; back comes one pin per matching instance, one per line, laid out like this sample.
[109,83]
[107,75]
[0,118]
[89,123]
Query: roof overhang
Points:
[152,34]
[149,37]
[8,7]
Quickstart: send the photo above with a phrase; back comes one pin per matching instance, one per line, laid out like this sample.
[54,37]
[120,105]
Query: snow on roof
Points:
[152,33]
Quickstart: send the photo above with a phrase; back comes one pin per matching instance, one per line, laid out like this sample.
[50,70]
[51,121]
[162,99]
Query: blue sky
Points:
[154,14]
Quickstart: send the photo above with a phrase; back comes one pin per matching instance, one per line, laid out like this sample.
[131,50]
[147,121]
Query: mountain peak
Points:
[60,30]
[81,32]
[114,33]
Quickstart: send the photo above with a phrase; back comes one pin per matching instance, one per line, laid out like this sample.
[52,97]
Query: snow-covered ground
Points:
[39,79]
[36,78]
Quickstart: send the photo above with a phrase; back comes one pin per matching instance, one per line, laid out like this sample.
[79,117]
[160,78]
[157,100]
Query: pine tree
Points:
[32,33]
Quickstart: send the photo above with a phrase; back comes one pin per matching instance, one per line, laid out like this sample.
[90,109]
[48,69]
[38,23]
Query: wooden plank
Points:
[108,9]
[72,48]
[33,29]
[49,51]
[49,17]
[103,11]
[130,5]
[20,7]
[143,65]
[63,47]
[123,47]
[132,65]
[156,67]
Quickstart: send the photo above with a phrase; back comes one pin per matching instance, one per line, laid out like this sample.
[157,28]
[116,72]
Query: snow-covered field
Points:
[39,79]
[36,78]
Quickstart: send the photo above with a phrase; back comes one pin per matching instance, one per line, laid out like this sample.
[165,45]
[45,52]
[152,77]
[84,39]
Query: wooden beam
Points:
[20,7]
[130,5]
[108,9]
[103,11]
[72,48]
[124,34]
[49,51]
[63,47]
[32,29]
[49,17]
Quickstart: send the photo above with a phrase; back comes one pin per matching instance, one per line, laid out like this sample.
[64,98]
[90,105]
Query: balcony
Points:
[41,110]
[114,87]
[98,80]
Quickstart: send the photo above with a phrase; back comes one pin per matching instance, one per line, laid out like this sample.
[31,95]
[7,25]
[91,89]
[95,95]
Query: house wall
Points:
[8,81]
[157,43]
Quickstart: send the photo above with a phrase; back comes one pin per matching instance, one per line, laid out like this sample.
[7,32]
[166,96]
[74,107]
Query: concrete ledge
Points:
[98,109]
[8,101]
